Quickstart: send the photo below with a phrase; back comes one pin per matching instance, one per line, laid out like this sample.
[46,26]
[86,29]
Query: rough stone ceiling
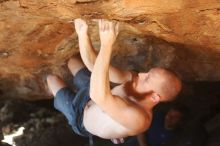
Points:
[37,38]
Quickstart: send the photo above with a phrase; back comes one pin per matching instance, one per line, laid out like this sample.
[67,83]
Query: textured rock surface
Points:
[37,38]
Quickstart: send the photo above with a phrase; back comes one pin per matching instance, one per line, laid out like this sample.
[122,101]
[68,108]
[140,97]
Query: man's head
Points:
[175,116]
[161,84]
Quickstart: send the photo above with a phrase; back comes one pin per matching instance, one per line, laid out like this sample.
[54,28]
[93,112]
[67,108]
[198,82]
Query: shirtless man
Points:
[95,109]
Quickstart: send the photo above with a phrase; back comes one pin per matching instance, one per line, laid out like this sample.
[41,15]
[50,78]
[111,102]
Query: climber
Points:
[94,108]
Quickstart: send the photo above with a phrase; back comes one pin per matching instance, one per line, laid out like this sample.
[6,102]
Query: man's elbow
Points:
[138,130]
[140,126]
[98,96]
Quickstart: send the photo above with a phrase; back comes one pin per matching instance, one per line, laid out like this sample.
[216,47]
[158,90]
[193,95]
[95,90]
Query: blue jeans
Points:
[72,104]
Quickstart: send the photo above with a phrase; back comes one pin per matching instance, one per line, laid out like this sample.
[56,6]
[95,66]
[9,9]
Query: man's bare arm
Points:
[89,54]
[123,111]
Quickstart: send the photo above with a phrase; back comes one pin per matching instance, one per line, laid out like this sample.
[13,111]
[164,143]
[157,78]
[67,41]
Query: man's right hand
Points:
[108,32]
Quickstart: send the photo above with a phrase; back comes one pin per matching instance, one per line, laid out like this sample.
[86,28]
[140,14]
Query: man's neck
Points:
[147,104]
[142,99]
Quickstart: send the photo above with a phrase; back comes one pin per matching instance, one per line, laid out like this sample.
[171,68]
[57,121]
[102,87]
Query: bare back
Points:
[101,124]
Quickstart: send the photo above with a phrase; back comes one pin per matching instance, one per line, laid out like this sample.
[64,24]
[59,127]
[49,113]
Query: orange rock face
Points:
[37,38]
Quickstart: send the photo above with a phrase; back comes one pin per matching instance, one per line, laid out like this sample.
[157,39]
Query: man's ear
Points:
[155,97]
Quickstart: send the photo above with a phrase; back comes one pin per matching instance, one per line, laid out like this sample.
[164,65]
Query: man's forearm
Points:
[99,85]
[87,52]
[89,55]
